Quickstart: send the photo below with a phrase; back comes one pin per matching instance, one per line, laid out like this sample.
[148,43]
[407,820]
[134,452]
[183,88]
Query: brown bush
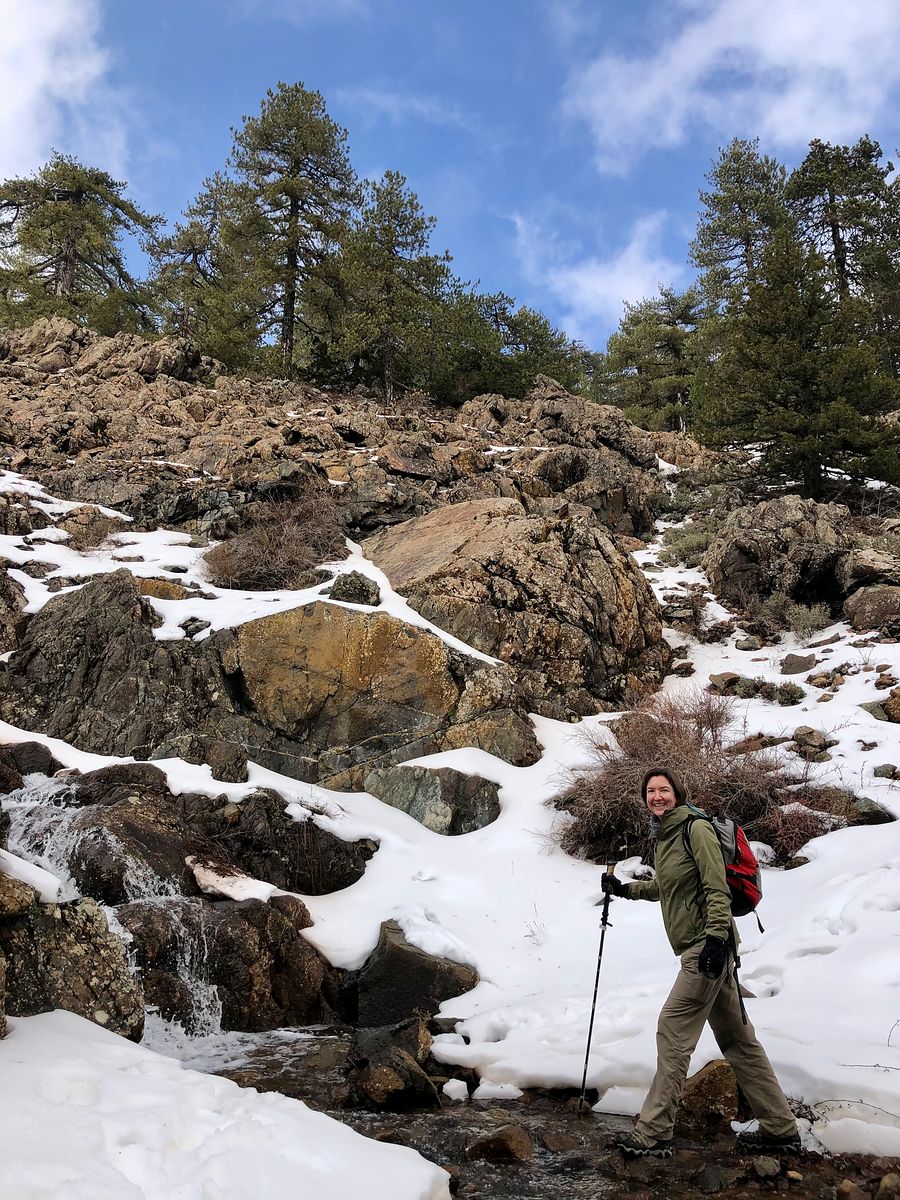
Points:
[609,819]
[281,545]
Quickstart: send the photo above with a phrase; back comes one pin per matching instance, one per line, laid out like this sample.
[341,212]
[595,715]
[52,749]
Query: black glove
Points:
[609,883]
[713,957]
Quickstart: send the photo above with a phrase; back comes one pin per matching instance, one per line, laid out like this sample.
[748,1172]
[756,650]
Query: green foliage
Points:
[207,283]
[739,215]
[61,248]
[795,373]
[291,209]
[391,286]
[652,357]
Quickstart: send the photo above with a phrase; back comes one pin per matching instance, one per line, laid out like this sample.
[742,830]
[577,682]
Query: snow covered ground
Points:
[826,972]
[87,1115]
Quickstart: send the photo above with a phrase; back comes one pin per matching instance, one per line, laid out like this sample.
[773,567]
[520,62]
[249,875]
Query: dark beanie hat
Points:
[681,794]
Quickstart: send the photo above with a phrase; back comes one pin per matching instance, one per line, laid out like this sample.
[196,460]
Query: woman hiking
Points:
[696,909]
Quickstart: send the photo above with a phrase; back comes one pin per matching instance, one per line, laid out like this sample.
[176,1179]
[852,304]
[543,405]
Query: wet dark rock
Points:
[508,1144]
[260,838]
[64,956]
[110,784]
[443,800]
[352,587]
[10,778]
[266,973]
[398,980]
[33,758]
[133,842]
[386,1069]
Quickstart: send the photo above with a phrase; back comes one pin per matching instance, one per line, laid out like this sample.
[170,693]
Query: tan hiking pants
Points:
[692,1001]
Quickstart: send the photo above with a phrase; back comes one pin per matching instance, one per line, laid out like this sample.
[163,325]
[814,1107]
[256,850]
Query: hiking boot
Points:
[638,1145]
[758,1139]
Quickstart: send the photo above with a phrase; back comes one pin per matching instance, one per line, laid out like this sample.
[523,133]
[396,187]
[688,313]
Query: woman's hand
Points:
[712,958]
[609,883]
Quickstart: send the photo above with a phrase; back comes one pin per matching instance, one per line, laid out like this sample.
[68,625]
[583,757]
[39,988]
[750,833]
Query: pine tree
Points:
[652,357]
[795,375]
[847,203]
[61,248]
[740,212]
[292,208]
[206,283]
[392,284]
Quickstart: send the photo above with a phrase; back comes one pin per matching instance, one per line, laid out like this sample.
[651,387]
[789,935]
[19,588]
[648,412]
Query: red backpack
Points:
[741,866]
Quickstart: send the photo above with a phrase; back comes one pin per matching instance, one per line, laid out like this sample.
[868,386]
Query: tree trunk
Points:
[65,279]
[390,376]
[837,242]
[289,312]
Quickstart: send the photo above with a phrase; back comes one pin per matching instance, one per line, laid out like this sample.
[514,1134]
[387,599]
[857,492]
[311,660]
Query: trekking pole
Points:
[604,925]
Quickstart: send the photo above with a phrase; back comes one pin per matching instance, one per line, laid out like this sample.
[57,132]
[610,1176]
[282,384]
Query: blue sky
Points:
[560,143]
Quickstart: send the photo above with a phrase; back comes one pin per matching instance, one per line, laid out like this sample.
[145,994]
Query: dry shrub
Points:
[688,543]
[609,820]
[776,613]
[281,545]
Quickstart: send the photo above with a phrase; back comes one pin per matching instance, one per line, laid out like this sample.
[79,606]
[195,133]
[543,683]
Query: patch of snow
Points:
[87,1115]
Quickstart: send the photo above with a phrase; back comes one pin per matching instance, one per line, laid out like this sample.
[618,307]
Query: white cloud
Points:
[55,92]
[787,70]
[570,21]
[398,107]
[592,290]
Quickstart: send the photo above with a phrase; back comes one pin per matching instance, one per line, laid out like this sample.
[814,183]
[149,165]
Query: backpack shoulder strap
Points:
[695,815]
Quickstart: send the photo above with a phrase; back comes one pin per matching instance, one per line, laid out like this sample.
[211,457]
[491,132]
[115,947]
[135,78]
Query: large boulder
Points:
[264,973]
[554,597]
[444,800]
[133,838]
[65,956]
[321,692]
[12,607]
[399,981]
[875,607]
[56,344]
[259,837]
[788,545]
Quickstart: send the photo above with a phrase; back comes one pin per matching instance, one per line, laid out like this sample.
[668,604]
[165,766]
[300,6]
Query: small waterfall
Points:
[193,957]
[41,828]
[43,831]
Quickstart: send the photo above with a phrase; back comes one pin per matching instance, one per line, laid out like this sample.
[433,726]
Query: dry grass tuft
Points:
[282,544]
[609,820]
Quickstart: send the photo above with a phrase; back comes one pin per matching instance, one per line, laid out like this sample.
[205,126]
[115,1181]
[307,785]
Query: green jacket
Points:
[693,892]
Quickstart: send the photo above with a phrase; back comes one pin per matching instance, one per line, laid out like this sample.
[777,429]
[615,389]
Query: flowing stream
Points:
[48,828]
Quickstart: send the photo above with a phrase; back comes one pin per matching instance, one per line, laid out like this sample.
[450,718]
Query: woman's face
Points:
[660,795]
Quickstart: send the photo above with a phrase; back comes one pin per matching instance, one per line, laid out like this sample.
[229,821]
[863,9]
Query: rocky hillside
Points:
[502,524]
[338,809]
